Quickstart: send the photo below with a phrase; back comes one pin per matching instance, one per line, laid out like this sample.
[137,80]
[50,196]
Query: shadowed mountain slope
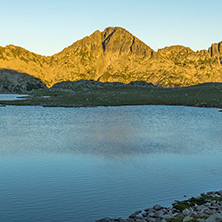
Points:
[15,82]
[115,55]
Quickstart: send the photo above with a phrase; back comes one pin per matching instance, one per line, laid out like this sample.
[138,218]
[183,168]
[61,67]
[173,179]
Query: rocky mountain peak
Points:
[216,49]
[120,41]
[116,55]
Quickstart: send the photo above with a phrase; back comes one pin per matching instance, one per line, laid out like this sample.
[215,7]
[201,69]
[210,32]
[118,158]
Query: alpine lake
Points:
[84,164]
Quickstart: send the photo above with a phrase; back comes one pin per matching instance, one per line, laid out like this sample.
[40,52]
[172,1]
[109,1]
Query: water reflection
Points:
[88,163]
[109,131]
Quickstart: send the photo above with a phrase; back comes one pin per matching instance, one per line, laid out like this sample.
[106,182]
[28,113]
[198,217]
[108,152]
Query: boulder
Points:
[214,218]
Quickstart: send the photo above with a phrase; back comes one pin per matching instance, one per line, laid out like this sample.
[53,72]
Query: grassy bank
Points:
[204,95]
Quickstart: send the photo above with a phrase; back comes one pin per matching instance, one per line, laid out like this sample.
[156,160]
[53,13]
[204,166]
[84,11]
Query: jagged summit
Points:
[114,39]
[216,49]
[120,40]
[117,55]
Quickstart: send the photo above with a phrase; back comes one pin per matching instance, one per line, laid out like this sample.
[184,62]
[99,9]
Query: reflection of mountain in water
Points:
[109,131]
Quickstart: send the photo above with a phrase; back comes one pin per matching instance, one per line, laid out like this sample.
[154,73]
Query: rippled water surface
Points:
[83,164]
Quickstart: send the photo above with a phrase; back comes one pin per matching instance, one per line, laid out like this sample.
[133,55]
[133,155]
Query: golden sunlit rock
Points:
[115,55]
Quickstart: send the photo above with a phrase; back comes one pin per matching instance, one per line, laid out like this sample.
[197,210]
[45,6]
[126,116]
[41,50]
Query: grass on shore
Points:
[181,205]
[204,95]
[179,218]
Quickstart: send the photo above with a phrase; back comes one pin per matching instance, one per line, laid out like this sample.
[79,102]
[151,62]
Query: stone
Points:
[200,220]
[151,214]
[167,216]
[140,220]
[150,219]
[213,202]
[210,193]
[187,218]
[219,192]
[106,219]
[175,211]
[214,218]
[158,214]
[133,215]
[157,207]
[201,208]
[186,212]
[138,212]
[208,212]
[145,214]
[213,207]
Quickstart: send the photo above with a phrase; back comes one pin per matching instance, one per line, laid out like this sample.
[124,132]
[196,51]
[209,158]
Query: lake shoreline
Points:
[92,94]
[204,208]
[5,103]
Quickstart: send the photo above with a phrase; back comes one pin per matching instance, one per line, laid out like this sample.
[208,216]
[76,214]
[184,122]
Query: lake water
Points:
[11,96]
[83,164]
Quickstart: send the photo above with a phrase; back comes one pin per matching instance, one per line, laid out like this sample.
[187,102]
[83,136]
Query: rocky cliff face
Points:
[216,49]
[117,55]
[15,82]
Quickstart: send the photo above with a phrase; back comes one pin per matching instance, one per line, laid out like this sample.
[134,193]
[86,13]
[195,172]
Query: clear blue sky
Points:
[47,26]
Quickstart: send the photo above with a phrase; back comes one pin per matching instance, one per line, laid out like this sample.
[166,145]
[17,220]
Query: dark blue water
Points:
[83,164]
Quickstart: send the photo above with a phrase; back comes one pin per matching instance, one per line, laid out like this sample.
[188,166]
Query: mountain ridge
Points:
[115,55]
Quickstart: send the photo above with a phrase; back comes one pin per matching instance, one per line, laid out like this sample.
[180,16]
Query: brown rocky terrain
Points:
[116,55]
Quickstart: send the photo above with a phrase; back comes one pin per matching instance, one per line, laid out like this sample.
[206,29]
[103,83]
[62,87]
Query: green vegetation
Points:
[90,93]
[181,205]
[180,218]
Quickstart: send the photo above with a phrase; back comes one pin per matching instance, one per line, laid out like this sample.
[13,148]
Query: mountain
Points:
[115,55]
[15,82]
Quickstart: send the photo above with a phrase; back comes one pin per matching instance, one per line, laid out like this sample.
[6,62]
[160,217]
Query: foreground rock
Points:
[15,82]
[205,208]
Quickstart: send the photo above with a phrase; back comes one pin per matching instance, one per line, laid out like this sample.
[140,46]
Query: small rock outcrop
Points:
[216,49]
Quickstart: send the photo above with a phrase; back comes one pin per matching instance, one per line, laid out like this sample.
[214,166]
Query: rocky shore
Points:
[205,208]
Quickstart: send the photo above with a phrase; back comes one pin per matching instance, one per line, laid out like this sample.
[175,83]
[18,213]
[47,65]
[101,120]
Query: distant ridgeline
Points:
[115,55]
